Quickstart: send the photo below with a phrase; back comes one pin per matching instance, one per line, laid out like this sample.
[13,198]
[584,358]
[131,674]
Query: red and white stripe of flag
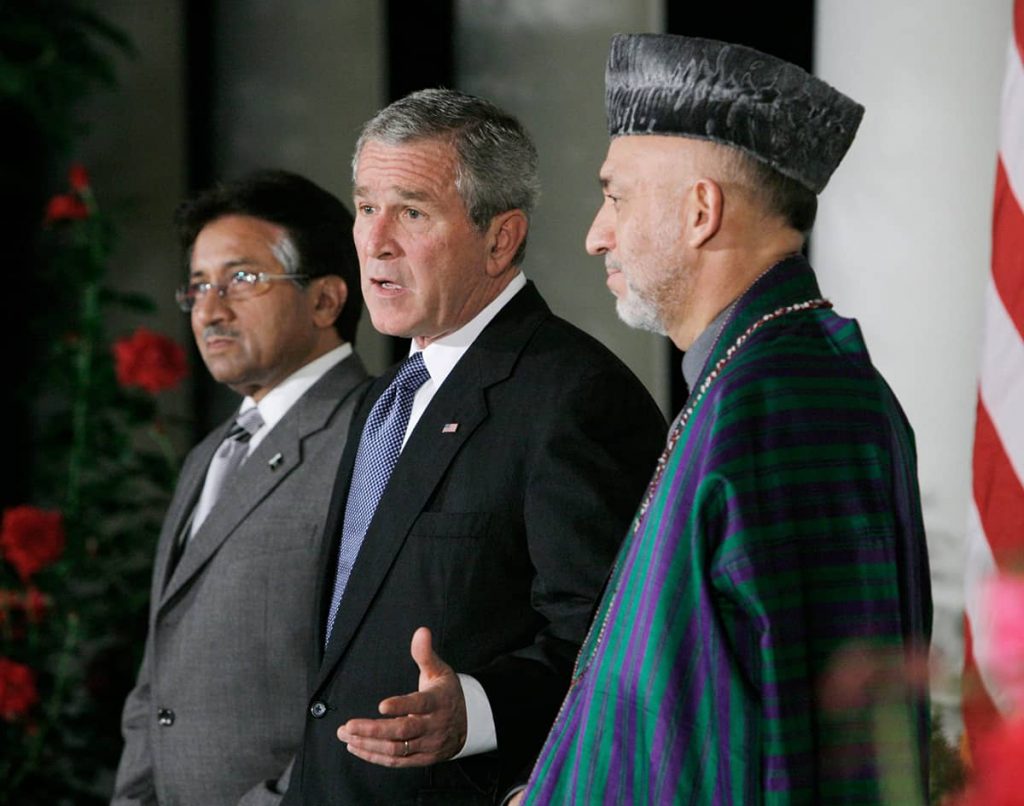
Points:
[995,535]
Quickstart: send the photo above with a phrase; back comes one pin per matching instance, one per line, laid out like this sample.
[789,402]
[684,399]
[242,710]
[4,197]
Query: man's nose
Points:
[601,236]
[379,238]
[210,307]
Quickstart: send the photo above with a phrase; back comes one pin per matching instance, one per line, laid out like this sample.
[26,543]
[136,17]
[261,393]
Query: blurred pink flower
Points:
[1004,601]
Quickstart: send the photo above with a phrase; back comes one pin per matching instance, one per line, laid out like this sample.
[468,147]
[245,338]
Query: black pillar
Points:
[420,55]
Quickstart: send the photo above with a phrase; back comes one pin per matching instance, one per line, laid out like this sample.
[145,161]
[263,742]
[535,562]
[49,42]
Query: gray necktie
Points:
[225,462]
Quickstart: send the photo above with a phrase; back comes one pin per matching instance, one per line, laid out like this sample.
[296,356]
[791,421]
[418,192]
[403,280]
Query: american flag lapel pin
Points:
[450,428]
[275,461]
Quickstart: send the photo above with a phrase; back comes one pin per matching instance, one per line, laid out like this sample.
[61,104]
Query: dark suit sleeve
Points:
[134,783]
[596,448]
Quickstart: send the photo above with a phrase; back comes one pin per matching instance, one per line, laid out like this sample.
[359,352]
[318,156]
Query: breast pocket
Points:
[452,525]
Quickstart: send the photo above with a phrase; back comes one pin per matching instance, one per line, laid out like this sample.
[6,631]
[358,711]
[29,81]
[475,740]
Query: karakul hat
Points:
[730,94]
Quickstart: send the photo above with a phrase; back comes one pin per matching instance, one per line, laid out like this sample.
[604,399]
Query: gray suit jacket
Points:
[219,702]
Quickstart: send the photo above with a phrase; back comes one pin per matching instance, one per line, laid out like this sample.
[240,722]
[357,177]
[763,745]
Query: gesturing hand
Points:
[418,729]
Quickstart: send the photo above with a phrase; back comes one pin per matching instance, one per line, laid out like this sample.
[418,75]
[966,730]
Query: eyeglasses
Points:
[240,285]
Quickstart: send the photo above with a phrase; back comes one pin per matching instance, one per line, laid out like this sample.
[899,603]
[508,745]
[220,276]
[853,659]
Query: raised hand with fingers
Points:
[417,729]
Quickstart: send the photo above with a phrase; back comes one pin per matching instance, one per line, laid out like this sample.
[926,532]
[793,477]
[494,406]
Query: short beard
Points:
[638,312]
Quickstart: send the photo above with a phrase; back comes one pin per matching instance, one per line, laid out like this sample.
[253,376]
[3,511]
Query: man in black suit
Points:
[523,451]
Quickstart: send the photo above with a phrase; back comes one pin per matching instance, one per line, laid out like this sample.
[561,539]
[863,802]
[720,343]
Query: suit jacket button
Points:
[318,709]
[165,717]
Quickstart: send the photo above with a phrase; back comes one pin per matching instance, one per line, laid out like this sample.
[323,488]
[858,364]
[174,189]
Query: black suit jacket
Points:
[498,535]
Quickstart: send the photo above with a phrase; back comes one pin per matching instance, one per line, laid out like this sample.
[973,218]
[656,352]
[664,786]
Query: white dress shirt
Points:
[440,358]
[276,403]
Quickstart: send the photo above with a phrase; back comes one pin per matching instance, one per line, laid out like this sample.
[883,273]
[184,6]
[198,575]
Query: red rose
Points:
[31,538]
[149,360]
[17,690]
[66,207]
[78,177]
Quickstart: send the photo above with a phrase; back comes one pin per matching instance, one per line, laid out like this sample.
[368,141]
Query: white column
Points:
[903,236]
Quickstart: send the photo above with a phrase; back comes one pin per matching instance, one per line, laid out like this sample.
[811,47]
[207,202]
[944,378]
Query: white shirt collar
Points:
[276,403]
[442,355]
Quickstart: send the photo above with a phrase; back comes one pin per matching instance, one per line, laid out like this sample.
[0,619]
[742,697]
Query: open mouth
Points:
[387,285]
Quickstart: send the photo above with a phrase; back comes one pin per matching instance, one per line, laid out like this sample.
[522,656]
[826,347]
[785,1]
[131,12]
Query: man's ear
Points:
[506,233]
[328,294]
[704,212]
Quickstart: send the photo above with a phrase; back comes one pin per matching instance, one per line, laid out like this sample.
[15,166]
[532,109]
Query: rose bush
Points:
[98,453]
[75,564]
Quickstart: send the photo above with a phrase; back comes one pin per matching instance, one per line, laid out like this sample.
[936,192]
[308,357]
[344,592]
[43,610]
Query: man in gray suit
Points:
[274,297]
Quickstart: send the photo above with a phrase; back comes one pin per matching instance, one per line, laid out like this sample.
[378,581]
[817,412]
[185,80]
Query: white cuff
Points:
[511,794]
[481,736]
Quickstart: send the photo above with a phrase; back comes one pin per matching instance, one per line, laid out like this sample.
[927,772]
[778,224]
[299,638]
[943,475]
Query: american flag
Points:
[995,535]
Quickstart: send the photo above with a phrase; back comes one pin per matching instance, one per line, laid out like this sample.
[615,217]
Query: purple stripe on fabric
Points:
[749,563]
[561,744]
[723,729]
[775,432]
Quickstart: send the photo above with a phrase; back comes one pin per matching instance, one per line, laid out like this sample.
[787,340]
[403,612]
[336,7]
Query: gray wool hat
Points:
[730,94]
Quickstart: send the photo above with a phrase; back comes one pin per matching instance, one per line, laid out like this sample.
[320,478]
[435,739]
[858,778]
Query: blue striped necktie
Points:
[379,446]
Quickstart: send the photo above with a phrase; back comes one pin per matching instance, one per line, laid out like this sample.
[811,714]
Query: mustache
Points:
[216,330]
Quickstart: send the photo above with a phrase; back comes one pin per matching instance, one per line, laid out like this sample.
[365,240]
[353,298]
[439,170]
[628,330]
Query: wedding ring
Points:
[405,752]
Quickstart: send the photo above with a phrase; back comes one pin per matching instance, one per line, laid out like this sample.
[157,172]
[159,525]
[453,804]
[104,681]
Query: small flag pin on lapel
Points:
[275,461]
[450,428]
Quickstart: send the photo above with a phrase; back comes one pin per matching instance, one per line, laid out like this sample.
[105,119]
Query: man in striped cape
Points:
[781,536]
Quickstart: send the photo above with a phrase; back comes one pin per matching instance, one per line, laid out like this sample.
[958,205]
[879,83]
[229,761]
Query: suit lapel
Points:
[426,458]
[273,460]
[336,512]
[253,481]
[180,512]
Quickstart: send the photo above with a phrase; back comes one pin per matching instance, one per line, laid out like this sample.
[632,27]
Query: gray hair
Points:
[286,254]
[283,249]
[777,194]
[496,161]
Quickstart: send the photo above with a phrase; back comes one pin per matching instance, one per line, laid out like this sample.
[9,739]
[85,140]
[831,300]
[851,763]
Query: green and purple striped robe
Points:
[787,524]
